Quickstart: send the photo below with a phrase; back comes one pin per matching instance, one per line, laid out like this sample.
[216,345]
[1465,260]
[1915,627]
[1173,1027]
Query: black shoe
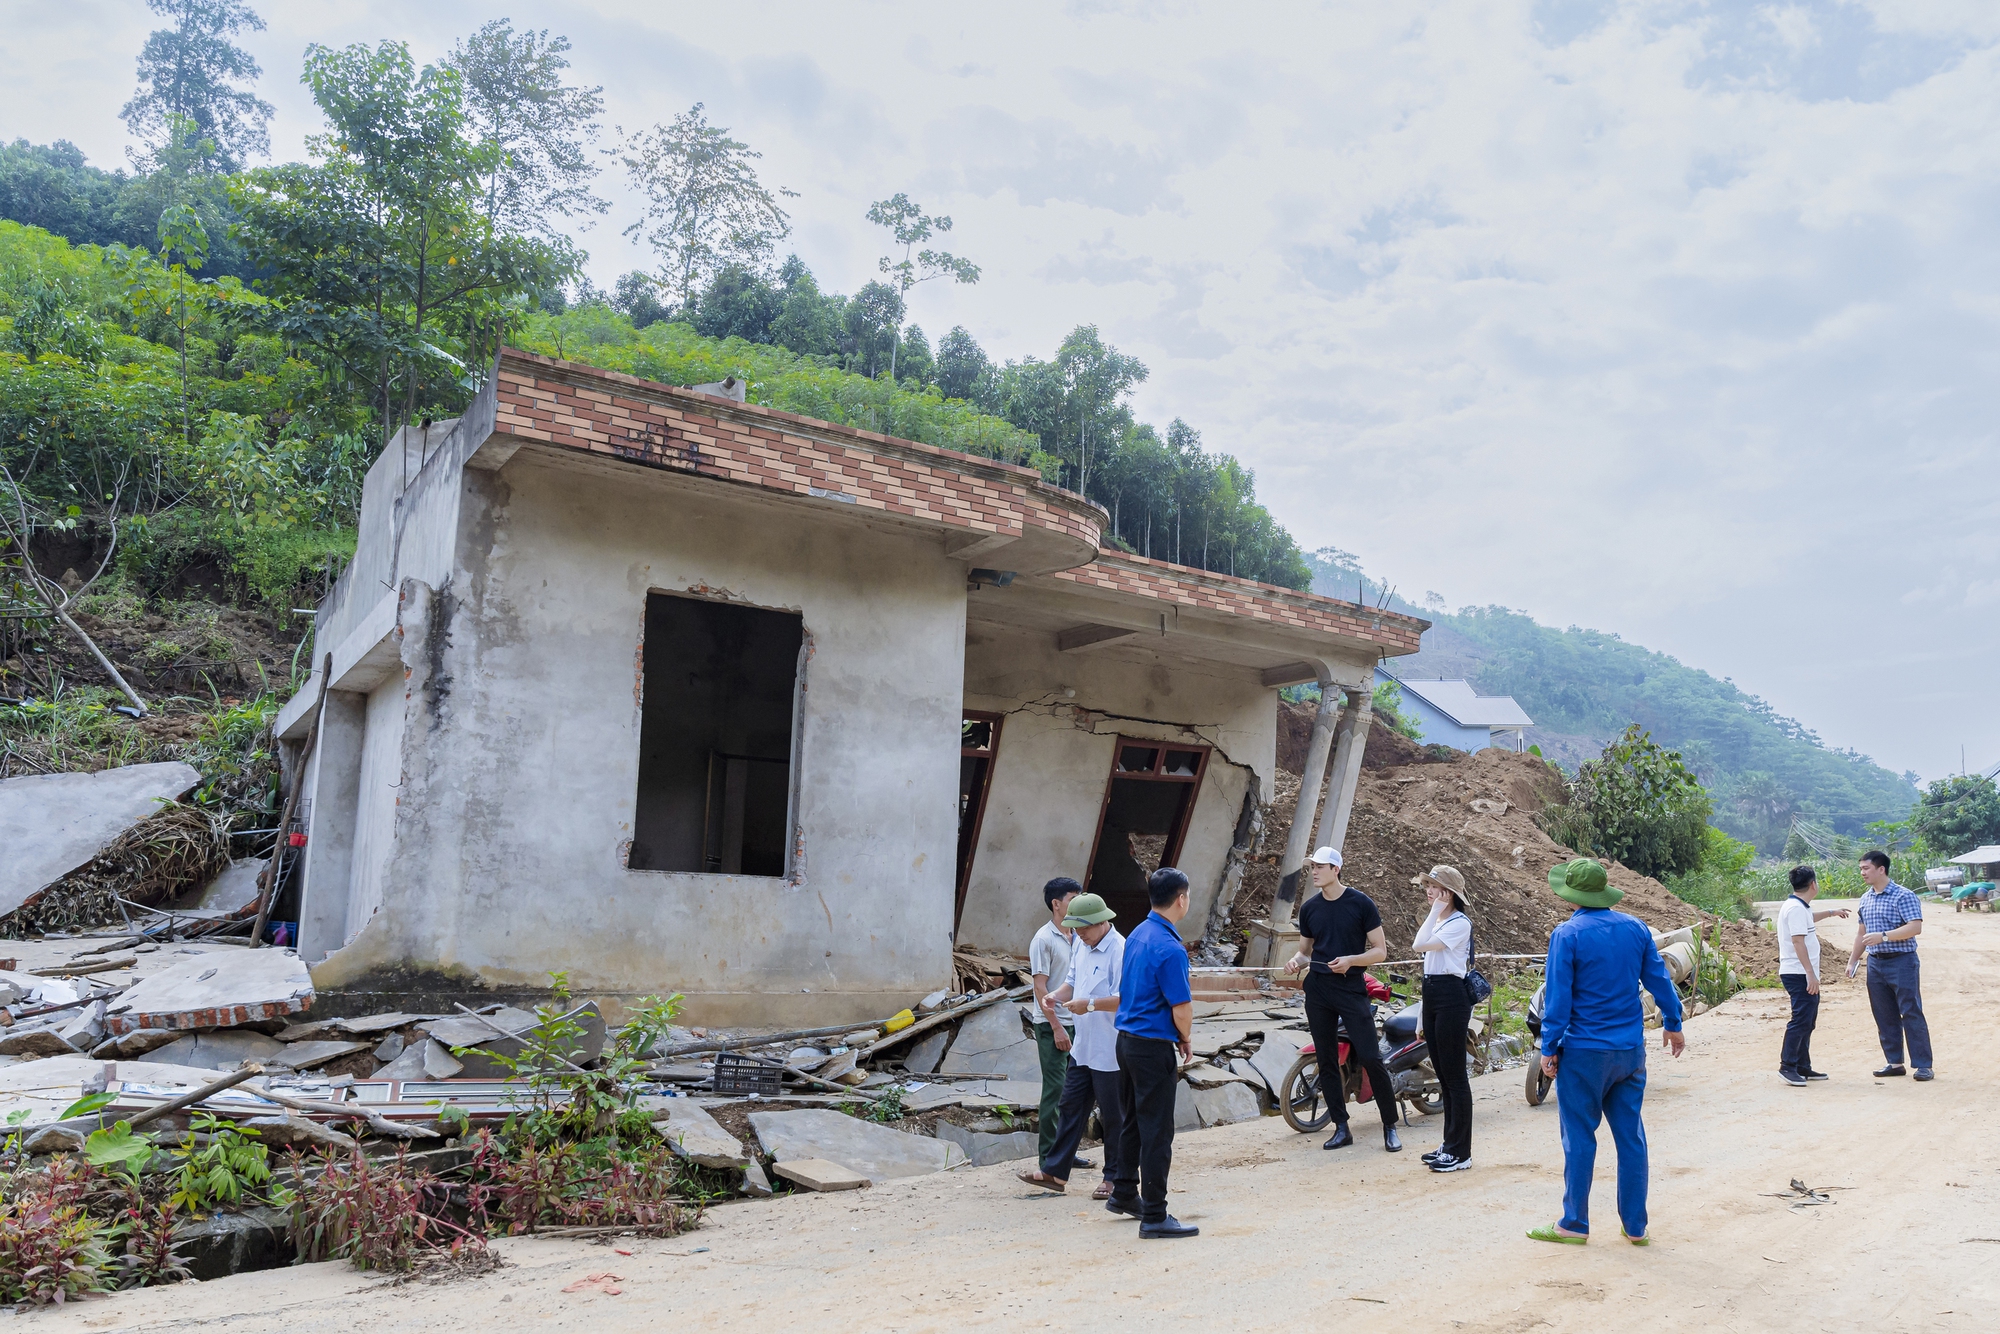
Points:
[1339,1139]
[1793,1078]
[1434,1155]
[1085,1162]
[1923,1074]
[1168,1227]
[1444,1162]
[1890,1071]
[1112,1206]
[1814,1074]
[1391,1140]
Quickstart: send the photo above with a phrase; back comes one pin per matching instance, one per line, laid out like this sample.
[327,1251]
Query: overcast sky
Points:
[1673,318]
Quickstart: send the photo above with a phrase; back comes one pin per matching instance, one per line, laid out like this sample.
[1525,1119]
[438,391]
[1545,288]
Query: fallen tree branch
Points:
[228,1081]
[381,1125]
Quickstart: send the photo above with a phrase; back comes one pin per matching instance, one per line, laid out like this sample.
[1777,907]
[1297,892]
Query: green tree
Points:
[963,369]
[538,126]
[705,208]
[1956,815]
[870,321]
[378,254]
[189,72]
[808,321]
[1636,803]
[907,223]
[738,304]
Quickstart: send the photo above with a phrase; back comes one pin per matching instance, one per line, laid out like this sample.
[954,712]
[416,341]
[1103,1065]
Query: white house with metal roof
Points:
[1452,713]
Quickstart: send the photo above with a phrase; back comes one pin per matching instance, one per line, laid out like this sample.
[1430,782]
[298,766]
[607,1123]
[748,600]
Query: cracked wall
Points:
[1055,758]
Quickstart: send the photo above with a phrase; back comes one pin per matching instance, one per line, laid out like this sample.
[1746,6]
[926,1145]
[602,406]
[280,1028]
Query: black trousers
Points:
[1328,1005]
[1082,1087]
[1796,1058]
[1447,1015]
[1148,1083]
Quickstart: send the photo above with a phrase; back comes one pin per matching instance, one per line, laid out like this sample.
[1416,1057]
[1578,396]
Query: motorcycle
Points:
[1306,1103]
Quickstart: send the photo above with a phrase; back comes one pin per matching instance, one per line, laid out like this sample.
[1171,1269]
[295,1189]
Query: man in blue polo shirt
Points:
[1593,1043]
[1155,1033]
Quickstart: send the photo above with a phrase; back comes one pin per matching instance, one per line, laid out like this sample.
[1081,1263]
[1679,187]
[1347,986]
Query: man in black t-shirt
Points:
[1344,932]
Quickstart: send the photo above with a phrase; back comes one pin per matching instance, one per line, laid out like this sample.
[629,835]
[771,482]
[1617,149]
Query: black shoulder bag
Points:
[1476,985]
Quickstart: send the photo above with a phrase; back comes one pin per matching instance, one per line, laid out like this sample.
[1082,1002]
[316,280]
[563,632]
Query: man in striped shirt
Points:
[1891,921]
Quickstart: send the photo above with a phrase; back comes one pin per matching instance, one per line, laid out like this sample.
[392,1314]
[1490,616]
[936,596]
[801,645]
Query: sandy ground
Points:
[1293,1236]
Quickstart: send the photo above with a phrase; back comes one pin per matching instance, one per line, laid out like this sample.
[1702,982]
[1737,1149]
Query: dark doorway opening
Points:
[978,742]
[1148,803]
[715,737]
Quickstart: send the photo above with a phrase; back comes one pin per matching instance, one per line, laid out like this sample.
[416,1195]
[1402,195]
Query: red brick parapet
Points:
[1204,590]
[622,416]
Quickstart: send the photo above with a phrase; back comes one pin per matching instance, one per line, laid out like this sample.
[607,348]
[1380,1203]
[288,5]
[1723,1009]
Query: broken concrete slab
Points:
[57,1139]
[1226,1103]
[695,1135]
[438,1062]
[225,1244]
[994,1041]
[819,1174]
[36,1042]
[234,890]
[86,1030]
[1274,1060]
[877,1152]
[280,1132]
[366,1026]
[991,1094]
[1208,1039]
[925,1053]
[1185,1115]
[985,1149]
[480,1044]
[51,824]
[1205,1076]
[306,1055]
[135,1044]
[389,1048]
[754,1180]
[216,989]
[409,1066]
[223,1050]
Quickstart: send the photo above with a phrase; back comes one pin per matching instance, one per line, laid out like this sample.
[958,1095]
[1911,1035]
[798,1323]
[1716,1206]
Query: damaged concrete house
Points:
[676,693]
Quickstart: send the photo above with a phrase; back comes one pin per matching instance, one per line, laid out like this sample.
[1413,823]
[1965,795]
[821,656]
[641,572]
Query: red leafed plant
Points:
[377,1215]
[49,1252]
[569,1185]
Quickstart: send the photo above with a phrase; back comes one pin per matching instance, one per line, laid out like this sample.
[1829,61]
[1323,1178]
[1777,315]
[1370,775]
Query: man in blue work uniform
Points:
[1155,1033]
[1593,1043]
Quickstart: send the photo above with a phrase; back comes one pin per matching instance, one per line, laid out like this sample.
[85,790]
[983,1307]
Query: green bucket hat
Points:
[1584,883]
[1087,910]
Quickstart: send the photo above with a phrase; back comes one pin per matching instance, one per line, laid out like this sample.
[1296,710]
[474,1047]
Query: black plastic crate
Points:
[740,1074]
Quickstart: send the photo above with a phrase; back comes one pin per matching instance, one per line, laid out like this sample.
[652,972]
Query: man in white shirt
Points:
[1097,964]
[1048,965]
[1798,969]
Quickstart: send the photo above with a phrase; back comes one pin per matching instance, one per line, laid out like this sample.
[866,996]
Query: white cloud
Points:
[1670,317]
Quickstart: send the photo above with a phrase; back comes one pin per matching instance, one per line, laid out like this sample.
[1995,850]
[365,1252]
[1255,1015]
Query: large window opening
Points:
[715,737]
[1147,805]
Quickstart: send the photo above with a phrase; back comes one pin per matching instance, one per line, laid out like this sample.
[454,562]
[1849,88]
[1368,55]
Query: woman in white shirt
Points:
[1445,941]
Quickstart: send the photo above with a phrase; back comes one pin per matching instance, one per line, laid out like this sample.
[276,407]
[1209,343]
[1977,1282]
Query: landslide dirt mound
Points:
[1415,810]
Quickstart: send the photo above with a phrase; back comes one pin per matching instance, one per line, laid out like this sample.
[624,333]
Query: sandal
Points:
[1636,1241]
[1103,1191]
[1547,1232]
[1044,1181]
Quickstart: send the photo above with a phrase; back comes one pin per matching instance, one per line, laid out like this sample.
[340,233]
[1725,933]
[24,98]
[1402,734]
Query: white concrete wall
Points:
[520,757]
[1054,760]
[380,779]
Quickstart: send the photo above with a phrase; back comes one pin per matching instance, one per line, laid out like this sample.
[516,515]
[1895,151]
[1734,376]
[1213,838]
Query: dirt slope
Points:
[1476,812]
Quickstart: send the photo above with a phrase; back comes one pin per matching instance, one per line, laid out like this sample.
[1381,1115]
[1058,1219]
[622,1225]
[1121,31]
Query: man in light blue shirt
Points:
[1089,999]
[1891,920]
[1593,1043]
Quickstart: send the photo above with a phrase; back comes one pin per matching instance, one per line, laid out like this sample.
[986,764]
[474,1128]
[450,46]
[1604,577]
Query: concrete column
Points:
[334,781]
[1345,778]
[1299,845]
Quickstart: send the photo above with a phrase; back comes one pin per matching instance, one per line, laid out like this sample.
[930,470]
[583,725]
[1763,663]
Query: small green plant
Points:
[568,1102]
[889,1107]
[224,1168]
[1006,1115]
[1715,975]
[120,1149]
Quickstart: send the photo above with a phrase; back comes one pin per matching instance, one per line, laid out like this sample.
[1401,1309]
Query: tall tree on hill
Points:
[907,223]
[1096,378]
[963,369]
[519,105]
[705,207]
[379,254]
[190,72]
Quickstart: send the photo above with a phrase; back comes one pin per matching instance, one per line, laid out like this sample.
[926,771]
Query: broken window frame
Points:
[968,850]
[1177,837]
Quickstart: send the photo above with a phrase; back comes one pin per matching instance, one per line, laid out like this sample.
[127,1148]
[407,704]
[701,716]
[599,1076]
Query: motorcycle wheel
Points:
[1538,1084]
[1427,1103]
[1300,1098]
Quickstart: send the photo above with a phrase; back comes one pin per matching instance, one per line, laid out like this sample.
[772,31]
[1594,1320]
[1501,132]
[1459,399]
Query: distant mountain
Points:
[1582,687]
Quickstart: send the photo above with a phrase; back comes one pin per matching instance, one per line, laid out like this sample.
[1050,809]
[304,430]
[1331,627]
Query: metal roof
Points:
[1986,856]
[1459,702]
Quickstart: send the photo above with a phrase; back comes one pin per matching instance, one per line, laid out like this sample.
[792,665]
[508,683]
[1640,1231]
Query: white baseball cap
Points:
[1326,857]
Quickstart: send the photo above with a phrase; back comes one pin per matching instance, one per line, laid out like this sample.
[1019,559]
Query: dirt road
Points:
[1293,1236]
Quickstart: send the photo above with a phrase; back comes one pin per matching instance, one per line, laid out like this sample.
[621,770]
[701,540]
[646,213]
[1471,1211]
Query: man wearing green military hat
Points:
[1593,1043]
